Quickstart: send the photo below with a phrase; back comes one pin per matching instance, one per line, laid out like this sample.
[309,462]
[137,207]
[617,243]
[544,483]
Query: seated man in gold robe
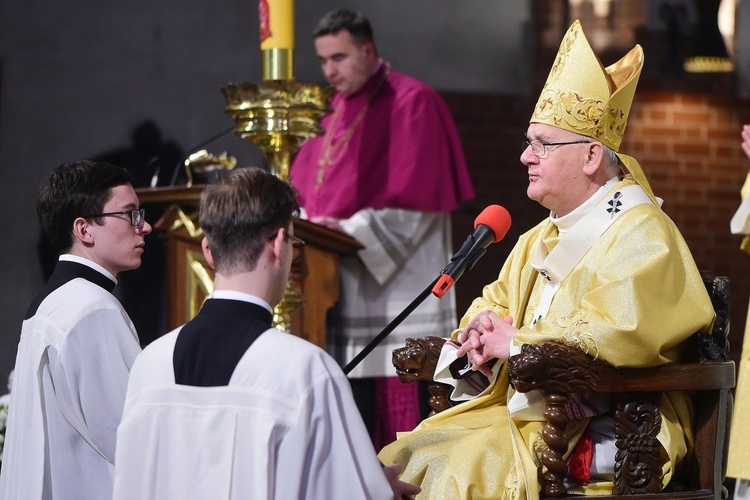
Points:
[607,272]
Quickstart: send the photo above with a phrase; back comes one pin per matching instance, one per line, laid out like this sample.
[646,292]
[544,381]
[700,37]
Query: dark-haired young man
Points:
[77,342]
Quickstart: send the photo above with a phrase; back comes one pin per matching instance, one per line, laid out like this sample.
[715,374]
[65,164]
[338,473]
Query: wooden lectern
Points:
[314,278]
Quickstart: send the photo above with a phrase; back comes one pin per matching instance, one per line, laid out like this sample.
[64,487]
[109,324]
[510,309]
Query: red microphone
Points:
[490,226]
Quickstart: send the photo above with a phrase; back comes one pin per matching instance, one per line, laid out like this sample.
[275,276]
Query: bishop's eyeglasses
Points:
[539,147]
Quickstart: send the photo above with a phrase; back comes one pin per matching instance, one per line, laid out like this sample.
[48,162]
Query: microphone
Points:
[490,226]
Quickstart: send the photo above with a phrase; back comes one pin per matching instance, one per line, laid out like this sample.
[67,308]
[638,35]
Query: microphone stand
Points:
[390,327]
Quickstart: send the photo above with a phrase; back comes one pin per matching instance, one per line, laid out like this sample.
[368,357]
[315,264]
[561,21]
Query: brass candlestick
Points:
[203,166]
[278,116]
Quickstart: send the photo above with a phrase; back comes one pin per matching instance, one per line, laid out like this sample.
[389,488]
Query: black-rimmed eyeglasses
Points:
[136,215]
[539,147]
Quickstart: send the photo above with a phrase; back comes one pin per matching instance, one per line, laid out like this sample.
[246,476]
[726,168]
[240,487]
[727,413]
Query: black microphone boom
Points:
[388,329]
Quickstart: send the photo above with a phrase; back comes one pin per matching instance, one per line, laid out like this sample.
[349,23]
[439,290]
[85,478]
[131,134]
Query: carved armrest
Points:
[553,367]
[558,370]
[417,361]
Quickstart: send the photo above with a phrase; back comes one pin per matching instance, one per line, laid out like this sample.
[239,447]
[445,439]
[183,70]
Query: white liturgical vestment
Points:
[284,427]
[76,349]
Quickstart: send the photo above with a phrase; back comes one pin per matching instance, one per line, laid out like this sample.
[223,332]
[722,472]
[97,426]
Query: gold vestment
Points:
[631,301]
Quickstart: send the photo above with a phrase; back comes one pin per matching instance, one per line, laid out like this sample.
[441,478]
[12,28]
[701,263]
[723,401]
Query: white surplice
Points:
[69,387]
[285,427]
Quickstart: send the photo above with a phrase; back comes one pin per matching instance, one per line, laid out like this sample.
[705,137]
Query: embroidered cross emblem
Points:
[614,204]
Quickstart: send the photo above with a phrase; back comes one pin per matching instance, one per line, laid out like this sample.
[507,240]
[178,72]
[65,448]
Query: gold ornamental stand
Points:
[278,116]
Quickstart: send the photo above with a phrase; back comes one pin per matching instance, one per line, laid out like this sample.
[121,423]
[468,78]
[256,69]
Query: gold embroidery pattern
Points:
[512,485]
[479,306]
[539,447]
[562,55]
[575,333]
[586,116]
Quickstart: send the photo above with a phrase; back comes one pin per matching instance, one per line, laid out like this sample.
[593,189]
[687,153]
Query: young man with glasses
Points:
[77,343]
[607,272]
[256,412]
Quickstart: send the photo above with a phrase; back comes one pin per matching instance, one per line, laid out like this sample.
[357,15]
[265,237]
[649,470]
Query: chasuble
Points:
[633,299]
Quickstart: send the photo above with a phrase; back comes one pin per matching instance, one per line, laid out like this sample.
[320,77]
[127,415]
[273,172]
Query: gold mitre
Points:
[584,97]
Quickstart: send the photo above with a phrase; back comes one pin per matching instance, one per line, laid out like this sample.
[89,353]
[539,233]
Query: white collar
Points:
[244,297]
[566,222]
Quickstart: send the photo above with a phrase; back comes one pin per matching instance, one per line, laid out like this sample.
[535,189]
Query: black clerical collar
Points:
[67,270]
[211,345]
[231,307]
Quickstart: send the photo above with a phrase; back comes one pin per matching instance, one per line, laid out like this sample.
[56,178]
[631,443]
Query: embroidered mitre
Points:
[584,97]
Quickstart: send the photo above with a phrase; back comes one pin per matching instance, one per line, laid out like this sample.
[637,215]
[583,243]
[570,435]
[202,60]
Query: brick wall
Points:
[688,145]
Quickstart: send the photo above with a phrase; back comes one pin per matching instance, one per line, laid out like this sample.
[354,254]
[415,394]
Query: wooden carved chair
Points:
[558,370]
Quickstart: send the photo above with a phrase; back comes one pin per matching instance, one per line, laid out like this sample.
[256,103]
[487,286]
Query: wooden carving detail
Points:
[715,347]
[552,457]
[417,361]
[553,368]
[637,467]
[439,397]
[557,370]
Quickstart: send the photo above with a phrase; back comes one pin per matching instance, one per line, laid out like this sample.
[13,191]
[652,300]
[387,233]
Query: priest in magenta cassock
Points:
[388,171]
